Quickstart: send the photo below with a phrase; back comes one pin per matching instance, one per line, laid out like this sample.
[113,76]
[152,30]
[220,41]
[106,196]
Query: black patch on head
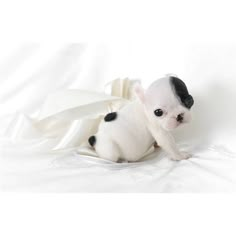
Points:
[92,140]
[181,91]
[110,116]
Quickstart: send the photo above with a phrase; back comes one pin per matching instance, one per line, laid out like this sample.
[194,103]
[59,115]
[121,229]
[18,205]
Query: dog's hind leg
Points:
[106,148]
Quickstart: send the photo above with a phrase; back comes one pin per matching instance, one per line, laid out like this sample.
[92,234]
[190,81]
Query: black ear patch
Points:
[92,140]
[110,116]
[188,101]
[181,91]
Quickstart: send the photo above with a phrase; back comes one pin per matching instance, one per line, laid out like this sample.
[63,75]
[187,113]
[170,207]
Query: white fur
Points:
[137,128]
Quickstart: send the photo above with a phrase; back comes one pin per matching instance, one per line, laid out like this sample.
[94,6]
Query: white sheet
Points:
[30,73]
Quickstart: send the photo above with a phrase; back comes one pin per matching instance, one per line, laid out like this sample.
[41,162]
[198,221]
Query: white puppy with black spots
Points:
[130,132]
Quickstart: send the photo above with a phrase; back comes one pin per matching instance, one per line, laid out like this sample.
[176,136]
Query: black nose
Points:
[180,118]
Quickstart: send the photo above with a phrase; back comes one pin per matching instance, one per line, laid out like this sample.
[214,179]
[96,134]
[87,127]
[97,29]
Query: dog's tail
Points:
[92,140]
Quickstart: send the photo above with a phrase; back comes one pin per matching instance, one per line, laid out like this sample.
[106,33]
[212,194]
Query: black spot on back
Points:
[92,140]
[110,116]
[181,91]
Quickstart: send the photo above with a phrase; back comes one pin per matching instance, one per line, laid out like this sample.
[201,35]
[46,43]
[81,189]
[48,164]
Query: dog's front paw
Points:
[181,156]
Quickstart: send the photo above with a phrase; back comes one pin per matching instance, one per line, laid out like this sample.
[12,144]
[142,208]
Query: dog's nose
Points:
[180,118]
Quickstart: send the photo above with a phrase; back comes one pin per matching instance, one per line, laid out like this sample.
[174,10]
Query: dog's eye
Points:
[158,112]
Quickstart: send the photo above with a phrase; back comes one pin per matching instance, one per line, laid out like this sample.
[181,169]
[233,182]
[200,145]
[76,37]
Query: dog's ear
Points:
[188,101]
[139,91]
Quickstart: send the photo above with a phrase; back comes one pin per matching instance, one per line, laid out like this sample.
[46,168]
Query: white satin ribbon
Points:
[68,118]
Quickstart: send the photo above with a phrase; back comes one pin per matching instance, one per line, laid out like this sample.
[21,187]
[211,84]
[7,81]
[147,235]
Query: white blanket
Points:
[52,99]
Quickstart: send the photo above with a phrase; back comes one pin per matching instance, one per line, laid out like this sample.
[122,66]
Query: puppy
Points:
[130,132]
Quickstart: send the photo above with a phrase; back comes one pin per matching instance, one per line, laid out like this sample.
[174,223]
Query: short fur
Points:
[181,91]
[138,128]
[92,140]
[110,116]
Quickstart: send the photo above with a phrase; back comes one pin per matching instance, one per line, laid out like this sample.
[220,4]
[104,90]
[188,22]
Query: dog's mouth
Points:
[173,126]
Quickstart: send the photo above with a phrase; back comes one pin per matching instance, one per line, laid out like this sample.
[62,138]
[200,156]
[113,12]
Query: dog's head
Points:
[167,102]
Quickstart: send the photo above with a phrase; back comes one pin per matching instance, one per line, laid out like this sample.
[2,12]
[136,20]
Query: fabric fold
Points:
[68,118]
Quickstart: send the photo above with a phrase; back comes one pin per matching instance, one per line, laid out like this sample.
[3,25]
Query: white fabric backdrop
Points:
[30,73]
